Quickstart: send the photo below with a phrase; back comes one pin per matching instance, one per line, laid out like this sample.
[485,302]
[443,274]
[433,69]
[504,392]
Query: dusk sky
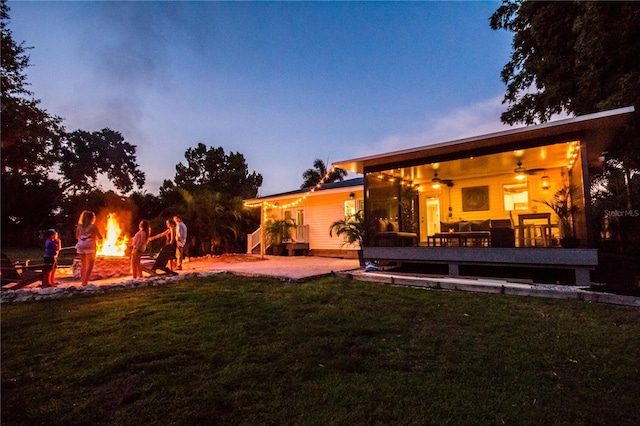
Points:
[283,83]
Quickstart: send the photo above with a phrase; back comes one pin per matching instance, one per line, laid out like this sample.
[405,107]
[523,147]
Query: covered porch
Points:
[514,199]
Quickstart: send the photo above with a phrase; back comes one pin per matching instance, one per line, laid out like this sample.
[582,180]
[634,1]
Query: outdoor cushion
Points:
[445,226]
[480,225]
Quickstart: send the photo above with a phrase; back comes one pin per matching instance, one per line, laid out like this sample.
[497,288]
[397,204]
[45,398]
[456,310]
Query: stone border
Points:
[67,291]
[497,287]
[33,294]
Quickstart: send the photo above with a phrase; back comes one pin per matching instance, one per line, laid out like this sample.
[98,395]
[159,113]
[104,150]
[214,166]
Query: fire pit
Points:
[104,267]
[111,258]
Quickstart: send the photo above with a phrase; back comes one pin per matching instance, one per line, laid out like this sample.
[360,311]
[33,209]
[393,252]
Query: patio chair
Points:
[16,275]
[160,262]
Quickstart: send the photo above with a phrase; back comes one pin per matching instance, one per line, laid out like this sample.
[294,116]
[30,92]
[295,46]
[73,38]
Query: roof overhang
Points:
[602,125]
[328,189]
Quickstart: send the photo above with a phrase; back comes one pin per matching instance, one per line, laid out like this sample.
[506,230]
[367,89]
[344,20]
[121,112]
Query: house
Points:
[313,210]
[475,206]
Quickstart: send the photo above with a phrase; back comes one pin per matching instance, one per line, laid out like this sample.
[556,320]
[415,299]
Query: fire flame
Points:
[114,242]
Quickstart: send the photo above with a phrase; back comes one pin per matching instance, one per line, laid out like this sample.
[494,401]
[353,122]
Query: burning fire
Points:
[114,242]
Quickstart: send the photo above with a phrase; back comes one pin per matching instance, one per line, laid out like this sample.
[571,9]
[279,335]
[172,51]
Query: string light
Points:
[572,154]
[322,181]
[392,179]
[294,203]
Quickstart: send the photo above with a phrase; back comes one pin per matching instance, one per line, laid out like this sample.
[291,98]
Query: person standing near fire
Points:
[170,235]
[87,234]
[181,241]
[51,250]
[138,246]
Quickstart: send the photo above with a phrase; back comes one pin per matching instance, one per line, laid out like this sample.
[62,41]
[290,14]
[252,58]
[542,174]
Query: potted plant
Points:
[563,204]
[278,232]
[352,229]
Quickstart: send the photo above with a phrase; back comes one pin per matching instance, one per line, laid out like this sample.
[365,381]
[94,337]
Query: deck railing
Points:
[299,234]
[253,240]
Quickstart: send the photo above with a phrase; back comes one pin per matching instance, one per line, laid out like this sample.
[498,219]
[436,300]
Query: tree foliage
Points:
[578,57]
[213,169]
[28,133]
[85,155]
[41,163]
[208,193]
[320,173]
[35,144]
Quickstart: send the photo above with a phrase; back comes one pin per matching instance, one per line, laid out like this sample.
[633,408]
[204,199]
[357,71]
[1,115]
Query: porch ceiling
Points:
[520,138]
[534,160]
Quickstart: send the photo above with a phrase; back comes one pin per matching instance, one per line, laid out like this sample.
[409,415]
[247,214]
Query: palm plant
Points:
[564,204]
[351,228]
[279,230]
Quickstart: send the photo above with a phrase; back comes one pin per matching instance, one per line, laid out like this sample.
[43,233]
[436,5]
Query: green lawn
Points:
[232,350]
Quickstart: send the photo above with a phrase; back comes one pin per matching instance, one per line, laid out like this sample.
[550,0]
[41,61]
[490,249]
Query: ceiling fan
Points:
[436,182]
[521,172]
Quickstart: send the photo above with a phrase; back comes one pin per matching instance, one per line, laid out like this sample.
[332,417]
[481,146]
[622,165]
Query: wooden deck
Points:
[581,261]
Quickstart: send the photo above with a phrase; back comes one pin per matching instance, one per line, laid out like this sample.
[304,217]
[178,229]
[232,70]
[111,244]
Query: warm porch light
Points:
[546,182]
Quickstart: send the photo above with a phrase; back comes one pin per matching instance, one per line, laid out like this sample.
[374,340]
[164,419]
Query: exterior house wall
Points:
[321,209]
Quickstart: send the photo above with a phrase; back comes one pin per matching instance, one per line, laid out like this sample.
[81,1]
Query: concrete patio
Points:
[303,268]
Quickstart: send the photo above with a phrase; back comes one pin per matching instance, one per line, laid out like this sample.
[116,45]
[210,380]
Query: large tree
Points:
[27,132]
[85,155]
[40,161]
[208,193]
[211,168]
[578,57]
[28,135]
[319,173]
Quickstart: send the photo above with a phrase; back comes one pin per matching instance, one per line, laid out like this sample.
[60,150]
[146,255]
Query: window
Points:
[516,196]
[351,207]
[296,216]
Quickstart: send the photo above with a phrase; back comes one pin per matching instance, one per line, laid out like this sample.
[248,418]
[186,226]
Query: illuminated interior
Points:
[420,199]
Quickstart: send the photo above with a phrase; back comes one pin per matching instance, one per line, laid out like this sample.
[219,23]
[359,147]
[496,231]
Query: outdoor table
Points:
[443,239]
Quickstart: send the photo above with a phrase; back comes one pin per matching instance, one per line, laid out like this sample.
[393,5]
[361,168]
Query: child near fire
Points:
[138,246]
[87,234]
[51,250]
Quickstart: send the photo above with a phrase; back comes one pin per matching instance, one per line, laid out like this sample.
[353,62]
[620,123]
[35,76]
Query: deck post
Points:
[583,277]
[454,269]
